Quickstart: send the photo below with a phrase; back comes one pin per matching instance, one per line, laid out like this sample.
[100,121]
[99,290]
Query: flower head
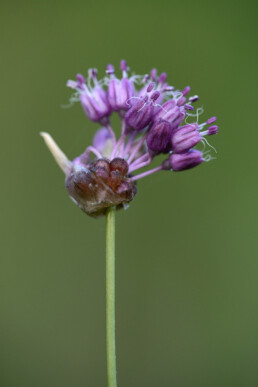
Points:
[154,120]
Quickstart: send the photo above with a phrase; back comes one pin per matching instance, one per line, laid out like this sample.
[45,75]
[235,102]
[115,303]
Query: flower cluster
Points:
[154,120]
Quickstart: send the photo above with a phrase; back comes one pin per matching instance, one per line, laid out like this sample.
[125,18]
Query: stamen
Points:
[212,130]
[123,65]
[93,73]
[211,120]
[155,95]
[162,78]
[150,87]
[169,88]
[186,90]
[110,69]
[153,74]
[194,98]
[145,78]
[189,107]
[80,79]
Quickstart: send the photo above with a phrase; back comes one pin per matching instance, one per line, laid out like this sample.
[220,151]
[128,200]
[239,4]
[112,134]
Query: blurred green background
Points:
[186,249]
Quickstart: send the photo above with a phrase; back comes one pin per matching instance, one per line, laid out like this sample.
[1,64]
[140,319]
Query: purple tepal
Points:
[185,137]
[141,111]
[159,137]
[187,160]
[120,91]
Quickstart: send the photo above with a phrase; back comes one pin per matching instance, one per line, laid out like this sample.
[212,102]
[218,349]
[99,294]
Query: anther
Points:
[153,74]
[150,87]
[194,98]
[211,120]
[123,65]
[110,69]
[189,107]
[80,79]
[186,90]
[162,78]
[155,95]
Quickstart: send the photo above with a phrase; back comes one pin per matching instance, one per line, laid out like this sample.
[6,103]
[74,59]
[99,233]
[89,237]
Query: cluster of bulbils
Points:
[151,124]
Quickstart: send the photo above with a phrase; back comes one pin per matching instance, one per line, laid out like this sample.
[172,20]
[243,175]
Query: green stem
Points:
[110,297]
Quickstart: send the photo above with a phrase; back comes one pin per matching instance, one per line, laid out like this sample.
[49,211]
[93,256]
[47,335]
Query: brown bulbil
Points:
[102,173]
[100,185]
[102,163]
[120,165]
[84,184]
[115,179]
[125,190]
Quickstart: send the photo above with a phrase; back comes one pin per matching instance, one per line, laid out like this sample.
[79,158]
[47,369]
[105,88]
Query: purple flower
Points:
[159,82]
[169,111]
[93,98]
[151,115]
[159,137]
[119,91]
[185,137]
[187,160]
[142,109]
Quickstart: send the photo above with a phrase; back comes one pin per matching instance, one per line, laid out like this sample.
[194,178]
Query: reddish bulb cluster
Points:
[102,184]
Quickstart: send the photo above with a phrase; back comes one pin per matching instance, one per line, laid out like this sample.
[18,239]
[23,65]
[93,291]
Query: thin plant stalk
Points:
[110,297]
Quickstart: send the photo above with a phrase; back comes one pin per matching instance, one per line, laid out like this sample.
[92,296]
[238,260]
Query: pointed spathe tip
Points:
[58,154]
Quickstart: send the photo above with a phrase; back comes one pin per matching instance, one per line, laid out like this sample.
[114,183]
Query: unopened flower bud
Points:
[159,136]
[94,101]
[120,91]
[102,163]
[119,164]
[102,174]
[185,137]
[140,113]
[187,160]
[169,111]
[95,104]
